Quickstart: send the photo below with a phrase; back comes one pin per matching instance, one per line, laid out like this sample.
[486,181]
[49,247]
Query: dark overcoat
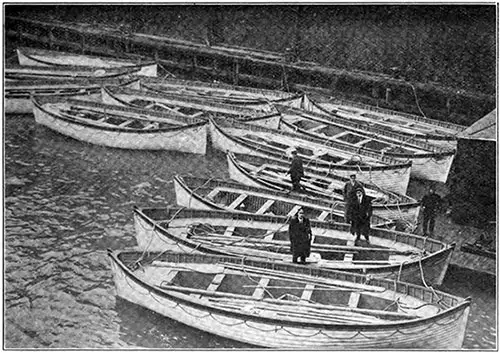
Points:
[349,190]
[360,214]
[431,204]
[296,168]
[349,194]
[300,236]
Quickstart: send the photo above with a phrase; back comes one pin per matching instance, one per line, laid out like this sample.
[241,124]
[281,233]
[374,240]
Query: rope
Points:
[168,72]
[175,215]
[440,299]
[400,270]
[416,100]
[192,192]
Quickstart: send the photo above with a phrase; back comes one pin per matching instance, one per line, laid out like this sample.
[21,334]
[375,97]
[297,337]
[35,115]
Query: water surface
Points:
[66,202]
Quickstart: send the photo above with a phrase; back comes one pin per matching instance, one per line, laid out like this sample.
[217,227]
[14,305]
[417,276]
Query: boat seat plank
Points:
[216,281]
[349,256]
[259,169]
[165,107]
[229,231]
[362,142]
[339,135]
[212,193]
[323,215]
[237,202]
[354,299]
[273,175]
[316,128]
[125,123]
[170,276]
[150,126]
[307,293]
[312,180]
[269,237]
[293,211]
[265,207]
[197,114]
[259,291]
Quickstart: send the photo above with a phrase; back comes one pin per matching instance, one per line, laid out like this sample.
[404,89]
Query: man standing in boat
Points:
[296,171]
[300,235]
[360,212]
[349,192]
[431,203]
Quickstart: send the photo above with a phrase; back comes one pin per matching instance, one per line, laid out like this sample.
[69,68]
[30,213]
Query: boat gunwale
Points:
[433,122]
[235,215]
[391,165]
[356,123]
[51,91]
[252,189]
[110,72]
[113,91]
[420,152]
[115,129]
[233,158]
[284,96]
[75,82]
[204,116]
[255,190]
[462,304]
[318,201]
[38,51]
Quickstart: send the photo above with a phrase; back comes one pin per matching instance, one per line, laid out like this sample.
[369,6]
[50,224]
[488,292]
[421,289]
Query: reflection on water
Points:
[66,202]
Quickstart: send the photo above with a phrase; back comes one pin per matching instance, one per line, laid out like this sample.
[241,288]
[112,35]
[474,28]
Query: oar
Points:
[298,277]
[297,314]
[316,247]
[373,312]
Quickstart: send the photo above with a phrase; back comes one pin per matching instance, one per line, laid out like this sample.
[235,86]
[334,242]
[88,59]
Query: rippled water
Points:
[66,202]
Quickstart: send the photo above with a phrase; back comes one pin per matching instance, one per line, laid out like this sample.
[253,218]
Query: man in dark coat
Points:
[300,237]
[349,193]
[360,212]
[296,171]
[431,203]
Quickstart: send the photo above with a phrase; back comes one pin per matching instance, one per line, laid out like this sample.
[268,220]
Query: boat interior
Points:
[246,289]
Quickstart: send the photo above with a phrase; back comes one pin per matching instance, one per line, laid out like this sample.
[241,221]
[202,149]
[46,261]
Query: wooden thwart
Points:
[265,207]
[237,202]
[216,281]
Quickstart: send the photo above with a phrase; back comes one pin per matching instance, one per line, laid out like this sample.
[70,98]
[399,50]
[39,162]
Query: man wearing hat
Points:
[300,235]
[360,212]
[349,193]
[296,171]
[431,204]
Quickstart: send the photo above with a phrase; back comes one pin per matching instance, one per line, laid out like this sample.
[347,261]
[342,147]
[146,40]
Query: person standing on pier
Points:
[360,212]
[349,192]
[296,171]
[300,235]
[431,204]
